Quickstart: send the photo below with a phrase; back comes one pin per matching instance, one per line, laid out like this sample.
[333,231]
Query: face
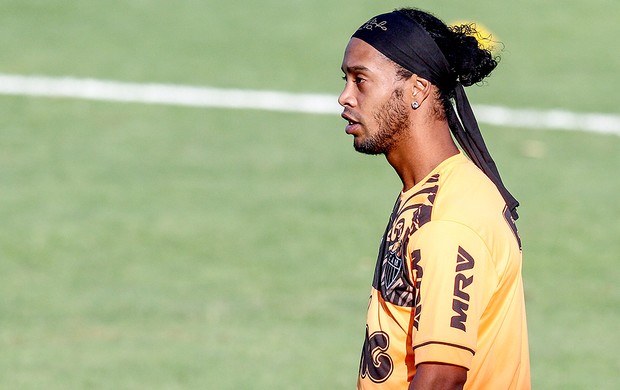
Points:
[372,99]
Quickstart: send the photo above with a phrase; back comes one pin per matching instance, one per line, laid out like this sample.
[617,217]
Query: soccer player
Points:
[446,309]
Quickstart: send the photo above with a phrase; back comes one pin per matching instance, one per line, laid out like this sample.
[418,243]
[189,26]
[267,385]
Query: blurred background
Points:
[169,247]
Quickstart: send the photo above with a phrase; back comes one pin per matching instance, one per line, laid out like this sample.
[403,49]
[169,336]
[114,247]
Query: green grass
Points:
[179,248]
[569,226]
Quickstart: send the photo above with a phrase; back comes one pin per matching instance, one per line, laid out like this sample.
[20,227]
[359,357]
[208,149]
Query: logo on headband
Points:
[373,24]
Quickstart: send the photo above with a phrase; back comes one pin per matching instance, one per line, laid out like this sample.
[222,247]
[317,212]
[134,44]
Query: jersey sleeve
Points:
[454,278]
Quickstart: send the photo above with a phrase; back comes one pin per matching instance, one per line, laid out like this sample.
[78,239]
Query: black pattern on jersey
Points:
[513,226]
[375,363]
[418,271]
[391,275]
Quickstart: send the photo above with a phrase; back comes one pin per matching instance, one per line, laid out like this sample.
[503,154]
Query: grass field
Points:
[156,247]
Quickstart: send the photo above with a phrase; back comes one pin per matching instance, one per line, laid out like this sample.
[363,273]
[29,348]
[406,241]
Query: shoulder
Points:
[466,195]
[446,239]
[467,198]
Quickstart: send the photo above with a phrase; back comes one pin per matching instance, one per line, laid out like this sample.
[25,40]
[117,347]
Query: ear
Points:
[420,89]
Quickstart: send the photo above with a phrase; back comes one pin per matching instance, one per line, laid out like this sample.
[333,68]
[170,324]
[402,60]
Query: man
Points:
[446,309]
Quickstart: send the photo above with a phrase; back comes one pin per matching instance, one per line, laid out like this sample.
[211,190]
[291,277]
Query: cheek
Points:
[372,104]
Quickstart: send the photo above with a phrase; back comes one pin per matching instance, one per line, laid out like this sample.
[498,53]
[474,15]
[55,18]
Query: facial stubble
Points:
[392,122]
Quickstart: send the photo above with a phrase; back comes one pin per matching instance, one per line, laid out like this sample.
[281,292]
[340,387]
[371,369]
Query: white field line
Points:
[183,95]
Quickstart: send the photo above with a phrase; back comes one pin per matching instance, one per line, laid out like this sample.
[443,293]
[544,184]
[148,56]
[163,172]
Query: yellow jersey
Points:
[447,286]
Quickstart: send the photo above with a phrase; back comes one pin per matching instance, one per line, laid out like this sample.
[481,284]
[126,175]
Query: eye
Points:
[356,79]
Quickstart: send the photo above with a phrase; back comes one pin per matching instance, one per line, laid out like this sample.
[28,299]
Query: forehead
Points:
[359,54]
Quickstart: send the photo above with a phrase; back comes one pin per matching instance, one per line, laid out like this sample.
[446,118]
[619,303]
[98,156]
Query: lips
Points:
[352,125]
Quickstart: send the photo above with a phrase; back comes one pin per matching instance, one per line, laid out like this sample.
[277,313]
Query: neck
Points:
[425,146]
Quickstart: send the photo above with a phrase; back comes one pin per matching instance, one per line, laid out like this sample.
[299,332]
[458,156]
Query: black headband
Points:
[405,42]
[408,44]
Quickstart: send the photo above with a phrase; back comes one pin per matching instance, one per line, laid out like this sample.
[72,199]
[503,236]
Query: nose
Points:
[346,98]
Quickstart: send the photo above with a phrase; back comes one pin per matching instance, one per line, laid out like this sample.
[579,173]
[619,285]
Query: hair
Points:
[469,62]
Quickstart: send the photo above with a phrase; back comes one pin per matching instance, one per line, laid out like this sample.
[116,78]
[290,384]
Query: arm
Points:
[431,376]
[455,279]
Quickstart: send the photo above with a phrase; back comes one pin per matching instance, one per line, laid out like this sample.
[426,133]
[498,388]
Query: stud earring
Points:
[415,105]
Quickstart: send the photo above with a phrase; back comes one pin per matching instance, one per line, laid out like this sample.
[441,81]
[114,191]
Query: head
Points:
[373,99]
[389,64]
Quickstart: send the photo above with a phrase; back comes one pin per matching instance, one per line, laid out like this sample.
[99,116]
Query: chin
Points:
[364,148]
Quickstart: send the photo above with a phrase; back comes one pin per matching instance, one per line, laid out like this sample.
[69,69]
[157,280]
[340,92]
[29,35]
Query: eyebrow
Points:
[355,68]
